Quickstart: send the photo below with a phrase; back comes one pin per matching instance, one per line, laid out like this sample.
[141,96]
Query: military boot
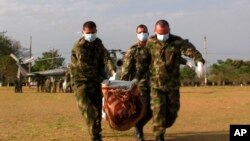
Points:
[97,139]
[160,137]
[139,134]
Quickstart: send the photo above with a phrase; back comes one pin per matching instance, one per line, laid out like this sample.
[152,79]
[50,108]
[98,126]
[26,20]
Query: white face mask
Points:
[89,37]
[142,36]
[163,37]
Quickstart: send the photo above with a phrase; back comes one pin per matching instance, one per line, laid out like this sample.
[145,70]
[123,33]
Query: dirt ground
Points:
[206,114]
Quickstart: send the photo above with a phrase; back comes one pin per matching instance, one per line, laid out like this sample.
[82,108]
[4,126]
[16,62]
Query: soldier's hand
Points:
[199,69]
[106,82]
[113,77]
[190,64]
[134,81]
[113,72]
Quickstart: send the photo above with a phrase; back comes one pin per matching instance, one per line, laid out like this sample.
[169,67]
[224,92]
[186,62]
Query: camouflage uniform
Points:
[165,78]
[87,72]
[135,66]
[60,84]
[68,81]
[48,85]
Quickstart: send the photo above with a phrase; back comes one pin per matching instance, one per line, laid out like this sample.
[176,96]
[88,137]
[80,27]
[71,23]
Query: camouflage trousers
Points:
[145,90]
[89,100]
[165,106]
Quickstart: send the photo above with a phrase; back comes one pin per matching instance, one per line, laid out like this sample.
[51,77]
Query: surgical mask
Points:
[90,37]
[163,37]
[142,36]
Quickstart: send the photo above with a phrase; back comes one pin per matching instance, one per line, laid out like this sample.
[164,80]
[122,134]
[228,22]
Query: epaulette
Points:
[81,41]
[98,41]
[131,49]
[176,39]
[133,46]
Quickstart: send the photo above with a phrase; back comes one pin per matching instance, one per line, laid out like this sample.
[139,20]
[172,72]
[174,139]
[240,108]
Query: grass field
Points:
[205,114]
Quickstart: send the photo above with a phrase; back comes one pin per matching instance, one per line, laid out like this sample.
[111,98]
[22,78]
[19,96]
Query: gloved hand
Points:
[106,82]
[134,81]
[113,77]
[199,69]
[190,64]
[104,116]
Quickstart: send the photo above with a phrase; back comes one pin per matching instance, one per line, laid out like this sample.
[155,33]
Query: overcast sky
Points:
[57,23]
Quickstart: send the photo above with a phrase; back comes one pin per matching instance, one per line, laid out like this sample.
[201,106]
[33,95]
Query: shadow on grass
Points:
[198,92]
[188,136]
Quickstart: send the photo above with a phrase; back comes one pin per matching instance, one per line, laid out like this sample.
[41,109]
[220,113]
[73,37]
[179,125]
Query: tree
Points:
[243,73]
[187,75]
[49,60]
[230,72]
[8,71]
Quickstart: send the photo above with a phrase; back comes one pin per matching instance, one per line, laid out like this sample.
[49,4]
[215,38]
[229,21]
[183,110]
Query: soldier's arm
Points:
[127,65]
[76,65]
[144,67]
[74,60]
[188,49]
[183,61]
[108,61]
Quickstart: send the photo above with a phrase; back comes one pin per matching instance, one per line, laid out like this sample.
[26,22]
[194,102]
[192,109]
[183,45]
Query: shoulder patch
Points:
[133,46]
[81,41]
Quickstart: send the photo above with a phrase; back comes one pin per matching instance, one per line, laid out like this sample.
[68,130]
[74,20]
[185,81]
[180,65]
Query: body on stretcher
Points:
[123,104]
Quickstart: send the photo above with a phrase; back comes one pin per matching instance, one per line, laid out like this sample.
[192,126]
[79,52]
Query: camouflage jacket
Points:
[135,63]
[166,60]
[88,61]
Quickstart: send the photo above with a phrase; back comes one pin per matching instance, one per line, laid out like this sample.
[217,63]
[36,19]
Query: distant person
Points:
[38,86]
[16,83]
[135,68]
[166,50]
[20,85]
[54,86]
[60,85]
[43,87]
[48,85]
[68,82]
[88,60]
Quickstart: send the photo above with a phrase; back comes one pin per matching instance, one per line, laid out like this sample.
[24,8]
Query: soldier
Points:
[54,86]
[48,85]
[38,86]
[166,50]
[88,60]
[16,86]
[135,68]
[68,83]
[20,85]
[42,84]
[60,85]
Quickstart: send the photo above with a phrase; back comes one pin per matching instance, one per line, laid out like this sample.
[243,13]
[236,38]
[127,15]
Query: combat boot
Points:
[139,134]
[97,139]
[160,137]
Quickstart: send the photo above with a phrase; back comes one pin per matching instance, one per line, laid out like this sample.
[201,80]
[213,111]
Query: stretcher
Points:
[123,104]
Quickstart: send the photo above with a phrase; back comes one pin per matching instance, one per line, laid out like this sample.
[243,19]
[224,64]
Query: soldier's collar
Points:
[141,45]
